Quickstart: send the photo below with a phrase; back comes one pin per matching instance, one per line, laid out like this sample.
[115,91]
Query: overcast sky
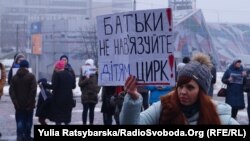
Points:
[223,11]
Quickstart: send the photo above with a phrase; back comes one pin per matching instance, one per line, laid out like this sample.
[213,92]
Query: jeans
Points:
[108,119]
[145,103]
[91,108]
[24,122]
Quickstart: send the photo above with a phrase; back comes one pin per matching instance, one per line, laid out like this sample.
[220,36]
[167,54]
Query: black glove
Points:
[42,80]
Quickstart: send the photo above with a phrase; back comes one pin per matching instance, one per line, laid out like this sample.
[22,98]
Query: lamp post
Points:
[134,5]
[17,28]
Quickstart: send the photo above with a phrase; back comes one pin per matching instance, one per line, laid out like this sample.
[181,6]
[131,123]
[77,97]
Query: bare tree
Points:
[89,42]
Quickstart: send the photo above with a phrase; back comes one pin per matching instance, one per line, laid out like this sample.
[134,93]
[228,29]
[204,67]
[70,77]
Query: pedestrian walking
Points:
[23,88]
[187,104]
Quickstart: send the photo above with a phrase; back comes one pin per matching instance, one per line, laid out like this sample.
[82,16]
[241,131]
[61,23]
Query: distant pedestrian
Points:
[68,67]
[17,59]
[88,83]
[185,60]
[62,101]
[234,79]
[213,81]
[43,108]
[145,96]
[22,91]
[108,109]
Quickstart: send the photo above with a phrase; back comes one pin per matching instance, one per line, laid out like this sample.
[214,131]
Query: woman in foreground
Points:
[187,104]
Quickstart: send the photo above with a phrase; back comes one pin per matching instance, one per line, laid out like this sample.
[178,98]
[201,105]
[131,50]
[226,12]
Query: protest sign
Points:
[14,70]
[138,43]
[236,78]
[88,70]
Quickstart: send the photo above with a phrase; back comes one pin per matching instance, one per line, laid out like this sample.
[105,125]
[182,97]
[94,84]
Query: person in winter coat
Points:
[213,72]
[187,104]
[43,103]
[17,59]
[2,81]
[145,94]
[185,60]
[68,67]
[107,108]
[234,79]
[88,83]
[62,101]
[22,91]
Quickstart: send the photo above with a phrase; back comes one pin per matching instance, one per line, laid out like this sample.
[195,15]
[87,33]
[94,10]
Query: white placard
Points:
[88,70]
[14,70]
[43,92]
[236,78]
[138,43]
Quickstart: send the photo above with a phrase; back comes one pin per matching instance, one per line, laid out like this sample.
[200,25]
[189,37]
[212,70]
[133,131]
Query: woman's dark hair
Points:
[208,113]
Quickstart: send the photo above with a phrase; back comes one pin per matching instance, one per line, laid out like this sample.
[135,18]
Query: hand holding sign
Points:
[131,87]
[88,70]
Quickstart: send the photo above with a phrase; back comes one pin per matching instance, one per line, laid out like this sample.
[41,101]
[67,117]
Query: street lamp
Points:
[17,38]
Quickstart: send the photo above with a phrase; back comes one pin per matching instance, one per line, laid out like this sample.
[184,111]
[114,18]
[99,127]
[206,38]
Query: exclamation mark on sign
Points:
[171,63]
[169,15]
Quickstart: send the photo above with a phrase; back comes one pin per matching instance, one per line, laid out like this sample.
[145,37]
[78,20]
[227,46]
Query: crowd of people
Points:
[189,102]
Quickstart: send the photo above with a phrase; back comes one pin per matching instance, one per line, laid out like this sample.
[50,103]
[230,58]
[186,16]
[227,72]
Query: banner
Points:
[138,43]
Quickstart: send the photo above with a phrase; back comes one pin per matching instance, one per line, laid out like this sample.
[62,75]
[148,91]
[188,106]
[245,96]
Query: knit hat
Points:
[60,65]
[90,62]
[24,64]
[237,61]
[18,56]
[199,69]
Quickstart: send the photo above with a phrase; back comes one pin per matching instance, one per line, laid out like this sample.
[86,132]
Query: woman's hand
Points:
[131,87]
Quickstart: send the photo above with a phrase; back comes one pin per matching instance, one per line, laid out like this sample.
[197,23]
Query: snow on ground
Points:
[77,91]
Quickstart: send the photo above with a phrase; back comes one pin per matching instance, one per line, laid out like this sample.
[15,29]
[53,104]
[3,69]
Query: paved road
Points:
[8,127]
[7,118]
